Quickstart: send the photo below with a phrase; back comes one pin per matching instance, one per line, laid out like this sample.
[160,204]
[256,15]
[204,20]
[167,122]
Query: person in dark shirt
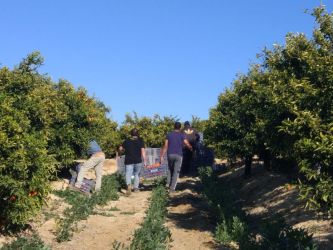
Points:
[188,155]
[134,154]
[174,147]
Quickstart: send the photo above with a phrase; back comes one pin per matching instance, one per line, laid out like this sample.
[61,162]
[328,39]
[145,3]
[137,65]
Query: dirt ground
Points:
[188,218]
[269,194]
[98,231]
[264,196]
[187,221]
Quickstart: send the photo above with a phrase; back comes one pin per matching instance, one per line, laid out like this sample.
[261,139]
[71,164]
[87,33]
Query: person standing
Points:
[134,154]
[191,136]
[96,161]
[174,147]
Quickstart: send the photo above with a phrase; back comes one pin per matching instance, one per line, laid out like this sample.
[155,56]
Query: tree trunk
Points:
[267,159]
[248,163]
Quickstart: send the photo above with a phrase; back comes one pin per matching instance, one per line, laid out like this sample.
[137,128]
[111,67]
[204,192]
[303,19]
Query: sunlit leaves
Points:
[44,126]
[285,105]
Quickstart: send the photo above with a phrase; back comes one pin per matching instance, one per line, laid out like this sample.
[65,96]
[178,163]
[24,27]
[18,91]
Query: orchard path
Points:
[98,231]
[187,220]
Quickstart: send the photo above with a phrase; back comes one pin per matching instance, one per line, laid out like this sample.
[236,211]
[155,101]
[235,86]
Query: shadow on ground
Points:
[188,211]
[187,208]
[267,195]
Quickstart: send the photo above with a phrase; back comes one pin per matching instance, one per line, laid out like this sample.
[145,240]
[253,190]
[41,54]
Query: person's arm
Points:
[143,155]
[121,148]
[187,144]
[143,151]
[164,149]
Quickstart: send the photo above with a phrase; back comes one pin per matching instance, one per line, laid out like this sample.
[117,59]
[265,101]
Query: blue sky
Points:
[171,57]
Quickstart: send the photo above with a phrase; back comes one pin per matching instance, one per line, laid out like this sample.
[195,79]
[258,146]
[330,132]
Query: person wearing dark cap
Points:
[191,136]
[174,147]
[134,155]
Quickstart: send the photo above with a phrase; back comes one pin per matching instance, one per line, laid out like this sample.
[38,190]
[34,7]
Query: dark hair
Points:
[187,124]
[134,132]
[177,125]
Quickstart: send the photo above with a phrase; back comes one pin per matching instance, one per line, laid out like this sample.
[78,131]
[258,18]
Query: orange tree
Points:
[84,118]
[152,129]
[233,128]
[283,108]
[198,124]
[44,126]
[308,63]
[26,116]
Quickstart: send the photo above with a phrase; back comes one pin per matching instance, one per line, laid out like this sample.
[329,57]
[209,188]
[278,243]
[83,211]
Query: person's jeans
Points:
[133,169]
[175,163]
[92,162]
[74,173]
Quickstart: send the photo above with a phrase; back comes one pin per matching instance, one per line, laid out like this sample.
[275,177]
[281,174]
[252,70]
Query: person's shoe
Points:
[129,190]
[136,190]
[172,191]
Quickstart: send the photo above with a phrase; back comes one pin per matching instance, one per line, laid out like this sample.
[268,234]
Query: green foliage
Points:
[71,197]
[109,190]
[44,126]
[231,220]
[152,130]
[231,230]
[222,234]
[116,245]
[281,110]
[232,223]
[198,124]
[277,235]
[84,119]
[83,206]
[26,243]
[153,234]
[103,213]
[238,229]
[160,181]
[231,129]
[79,211]
[25,164]
[219,195]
